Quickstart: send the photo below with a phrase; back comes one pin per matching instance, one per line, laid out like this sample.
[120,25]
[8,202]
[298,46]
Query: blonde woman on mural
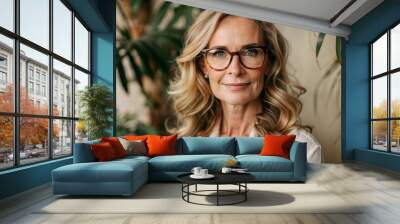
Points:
[232,81]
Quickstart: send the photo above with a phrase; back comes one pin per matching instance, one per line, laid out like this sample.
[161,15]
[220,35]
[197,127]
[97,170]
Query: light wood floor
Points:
[353,182]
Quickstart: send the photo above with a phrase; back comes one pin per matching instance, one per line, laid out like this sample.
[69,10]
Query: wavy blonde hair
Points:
[198,111]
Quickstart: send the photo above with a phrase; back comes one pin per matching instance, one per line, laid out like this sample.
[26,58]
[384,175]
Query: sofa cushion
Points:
[249,145]
[206,145]
[116,145]
[135,137]
[161,145]
[185,163]
[111,171]
[134,147]
[131,158]
[257,163]
[103,152]
[277,145]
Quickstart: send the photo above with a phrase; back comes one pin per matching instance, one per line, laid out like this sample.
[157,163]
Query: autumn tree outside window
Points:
[385,91]
[44,64]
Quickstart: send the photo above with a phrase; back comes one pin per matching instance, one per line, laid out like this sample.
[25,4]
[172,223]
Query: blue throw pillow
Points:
[206,145]
[249,145]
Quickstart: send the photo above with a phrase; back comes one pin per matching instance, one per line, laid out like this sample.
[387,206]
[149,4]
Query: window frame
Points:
[388,74]
[16,115]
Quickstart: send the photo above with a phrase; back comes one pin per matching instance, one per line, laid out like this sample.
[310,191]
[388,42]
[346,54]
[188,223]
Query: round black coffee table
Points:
[238,179]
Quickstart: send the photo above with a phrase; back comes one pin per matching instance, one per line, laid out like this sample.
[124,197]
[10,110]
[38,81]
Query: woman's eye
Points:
[251,52]
[218,53]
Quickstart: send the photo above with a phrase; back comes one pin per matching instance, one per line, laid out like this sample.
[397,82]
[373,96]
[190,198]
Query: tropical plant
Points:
[331,71]
[96,102]
[149,37]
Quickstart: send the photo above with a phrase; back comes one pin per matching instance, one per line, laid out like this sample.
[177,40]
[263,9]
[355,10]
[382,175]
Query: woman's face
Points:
[236,85]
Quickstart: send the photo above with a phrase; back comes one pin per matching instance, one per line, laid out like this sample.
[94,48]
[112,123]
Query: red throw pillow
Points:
[275,145]
[103,151]
[116,145]
[161,145]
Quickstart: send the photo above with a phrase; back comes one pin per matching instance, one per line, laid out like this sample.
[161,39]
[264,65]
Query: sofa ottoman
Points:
[119,177]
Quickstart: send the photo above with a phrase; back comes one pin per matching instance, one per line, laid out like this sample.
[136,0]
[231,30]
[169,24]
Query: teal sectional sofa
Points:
[125,176]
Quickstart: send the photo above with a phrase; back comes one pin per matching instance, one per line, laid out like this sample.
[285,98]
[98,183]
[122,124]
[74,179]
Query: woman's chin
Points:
[237,100]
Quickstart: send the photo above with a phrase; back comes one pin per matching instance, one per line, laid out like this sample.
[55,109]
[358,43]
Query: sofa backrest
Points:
[206,145]
[249,145]
[192,146]
[83,152]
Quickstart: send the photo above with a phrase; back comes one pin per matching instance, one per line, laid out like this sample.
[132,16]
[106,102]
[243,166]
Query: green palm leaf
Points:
[122,74]
[339,49]
[320,41]
[160,15]
[160,56]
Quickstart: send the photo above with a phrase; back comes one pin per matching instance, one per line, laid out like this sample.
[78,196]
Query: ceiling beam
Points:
[269,15]
[346,12]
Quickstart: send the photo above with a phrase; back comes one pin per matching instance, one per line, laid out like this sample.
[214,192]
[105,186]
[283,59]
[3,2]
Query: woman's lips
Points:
[236,86]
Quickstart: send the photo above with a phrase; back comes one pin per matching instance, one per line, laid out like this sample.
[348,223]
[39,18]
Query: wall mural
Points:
[194,72]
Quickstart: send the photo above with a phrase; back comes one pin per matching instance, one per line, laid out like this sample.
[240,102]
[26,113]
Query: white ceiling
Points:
[315,15]
[320,9]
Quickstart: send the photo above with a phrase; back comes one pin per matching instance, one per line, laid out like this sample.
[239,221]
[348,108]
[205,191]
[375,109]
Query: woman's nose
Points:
[234,66]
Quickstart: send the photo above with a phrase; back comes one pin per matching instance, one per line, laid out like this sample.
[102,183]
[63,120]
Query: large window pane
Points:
[34,72]
[81,81]
[395,47]
[6,74]
[81,131]
[7,14]
[62,29]
[35,21]
[62,138]
[6,142]
[62,89]
[81,45]
[395,138]
[379,97]
[379,56]
[33,139]
[379,135]
[395,94]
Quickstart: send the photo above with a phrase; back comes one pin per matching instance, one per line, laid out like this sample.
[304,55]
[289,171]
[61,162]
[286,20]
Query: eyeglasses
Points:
[219,59]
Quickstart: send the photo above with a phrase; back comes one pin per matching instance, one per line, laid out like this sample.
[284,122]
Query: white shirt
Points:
[314,151]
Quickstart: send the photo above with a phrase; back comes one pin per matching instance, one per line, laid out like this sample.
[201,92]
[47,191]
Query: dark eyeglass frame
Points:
[231,54]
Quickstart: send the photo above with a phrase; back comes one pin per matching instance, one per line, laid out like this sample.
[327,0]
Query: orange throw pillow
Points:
[116,145]
[103,151]
[277,145]
[135,137]
[161,145]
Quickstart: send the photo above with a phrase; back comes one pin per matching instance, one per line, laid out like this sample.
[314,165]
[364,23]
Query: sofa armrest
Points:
[298,155]
[83,152]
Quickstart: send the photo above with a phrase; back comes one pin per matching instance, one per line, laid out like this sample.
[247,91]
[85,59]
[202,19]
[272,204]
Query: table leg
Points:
[182,188]
[245,191]
[196,188]
[188,189]
[217,194]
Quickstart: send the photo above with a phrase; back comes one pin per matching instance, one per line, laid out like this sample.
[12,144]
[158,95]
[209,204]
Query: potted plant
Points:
[96,103]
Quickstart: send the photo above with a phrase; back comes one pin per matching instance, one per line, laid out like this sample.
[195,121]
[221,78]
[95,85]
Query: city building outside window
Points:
[57,127]
[30,87]
[3,78]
